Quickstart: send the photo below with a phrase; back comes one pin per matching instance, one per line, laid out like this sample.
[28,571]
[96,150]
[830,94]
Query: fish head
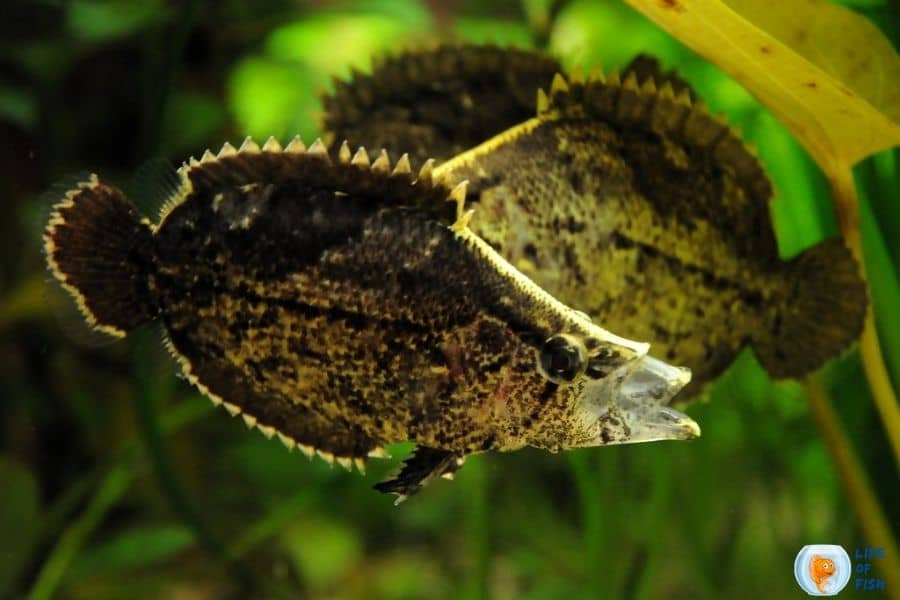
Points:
[608,391]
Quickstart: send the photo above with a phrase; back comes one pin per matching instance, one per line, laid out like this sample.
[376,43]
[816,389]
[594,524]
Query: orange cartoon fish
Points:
[820,569]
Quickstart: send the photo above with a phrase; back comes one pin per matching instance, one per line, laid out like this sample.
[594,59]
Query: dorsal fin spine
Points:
[663,111]
[213,170]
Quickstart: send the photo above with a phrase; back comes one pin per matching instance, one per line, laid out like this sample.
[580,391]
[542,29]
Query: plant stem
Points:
[70,542]
[477,529]
[151,433]
[857,486]
[846,202]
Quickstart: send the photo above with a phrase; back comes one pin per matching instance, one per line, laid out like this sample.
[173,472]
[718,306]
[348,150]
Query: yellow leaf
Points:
[802,59]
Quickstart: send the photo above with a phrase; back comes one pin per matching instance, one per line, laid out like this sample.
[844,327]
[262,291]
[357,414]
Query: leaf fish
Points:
[342,304]
[625,198]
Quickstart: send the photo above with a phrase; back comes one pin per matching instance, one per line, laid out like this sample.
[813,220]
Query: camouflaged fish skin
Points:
[660,228]
[626,199]
[437,103]
[342,305]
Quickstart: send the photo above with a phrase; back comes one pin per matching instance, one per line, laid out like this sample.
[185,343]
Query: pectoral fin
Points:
[422,466]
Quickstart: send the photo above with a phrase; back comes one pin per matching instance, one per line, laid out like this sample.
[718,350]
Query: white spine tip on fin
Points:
[267,431]
[271,145]
[296,145]
[463,220]
[360,464]
[402,167]
[378,452]
[193,162]
[326,456]
[425,171]
[449,476]
[318,149]
[614,78]
[249,420]
[215,400]
[249,146]
[596,74]
[344,153]
[559,84]
[667,91]
[361,158]
[207,157]
[458,194]
[233,409]
[382,164]
[543,102]
[683,97]
[289,443]
[308,451]
[631,82]
[345,462]
[227,150]
[577,75]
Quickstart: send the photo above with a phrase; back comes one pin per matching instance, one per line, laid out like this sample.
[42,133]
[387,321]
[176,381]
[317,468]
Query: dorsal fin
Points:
[629,102]
[647,67]
[437,102]
[273,164]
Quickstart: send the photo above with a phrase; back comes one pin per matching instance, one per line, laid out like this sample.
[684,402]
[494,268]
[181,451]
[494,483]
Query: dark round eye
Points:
[562,358]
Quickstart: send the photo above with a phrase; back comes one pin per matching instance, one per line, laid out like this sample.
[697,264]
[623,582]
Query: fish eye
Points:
[562,358]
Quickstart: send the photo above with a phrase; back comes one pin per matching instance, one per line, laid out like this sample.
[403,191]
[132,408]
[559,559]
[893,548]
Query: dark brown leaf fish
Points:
[626,199]
[343,305]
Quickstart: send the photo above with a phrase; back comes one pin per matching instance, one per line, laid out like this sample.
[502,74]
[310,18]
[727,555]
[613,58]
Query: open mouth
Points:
[646,392]
[632,406]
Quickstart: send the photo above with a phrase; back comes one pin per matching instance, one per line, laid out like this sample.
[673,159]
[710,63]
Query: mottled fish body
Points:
[624,198]
[342,305]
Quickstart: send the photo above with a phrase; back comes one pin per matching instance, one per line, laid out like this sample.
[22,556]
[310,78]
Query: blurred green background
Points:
[117,480]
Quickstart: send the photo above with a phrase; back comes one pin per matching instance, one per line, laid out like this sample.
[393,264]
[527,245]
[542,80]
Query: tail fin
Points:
[822,315]
[99,248]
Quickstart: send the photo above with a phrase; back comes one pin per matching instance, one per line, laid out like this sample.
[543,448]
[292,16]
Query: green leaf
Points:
[332,43]
[17,106]
[322,550]
[592,33]
[824,71]
[130,549]
[94,20]
[270,97]
[494,31]
[19,519]
[190,120]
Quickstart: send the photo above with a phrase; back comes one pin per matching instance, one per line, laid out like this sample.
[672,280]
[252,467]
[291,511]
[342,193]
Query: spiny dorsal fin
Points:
[664,111]
[273,164]
[437,102]
[647,67]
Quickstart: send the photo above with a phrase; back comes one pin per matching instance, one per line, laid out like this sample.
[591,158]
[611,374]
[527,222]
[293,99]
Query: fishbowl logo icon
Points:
[822,569]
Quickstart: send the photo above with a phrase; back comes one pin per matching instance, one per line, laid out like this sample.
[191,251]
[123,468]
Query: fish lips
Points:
[632,405]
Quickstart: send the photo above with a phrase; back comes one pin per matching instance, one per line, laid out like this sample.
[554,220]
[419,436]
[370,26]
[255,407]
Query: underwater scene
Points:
[450,299]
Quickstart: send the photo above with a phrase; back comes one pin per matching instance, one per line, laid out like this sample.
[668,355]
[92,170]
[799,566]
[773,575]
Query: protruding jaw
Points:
[631,405]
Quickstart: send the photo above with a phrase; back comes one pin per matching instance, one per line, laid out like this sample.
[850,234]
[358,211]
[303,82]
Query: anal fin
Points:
[422,466]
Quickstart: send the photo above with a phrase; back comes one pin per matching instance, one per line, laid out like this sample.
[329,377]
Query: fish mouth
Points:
[633,405]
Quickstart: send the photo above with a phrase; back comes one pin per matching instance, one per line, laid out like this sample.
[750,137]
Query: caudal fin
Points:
[99,248]
[822,314]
